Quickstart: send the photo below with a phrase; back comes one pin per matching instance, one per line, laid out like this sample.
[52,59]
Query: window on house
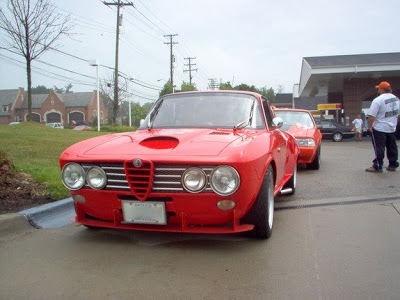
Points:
[4,108]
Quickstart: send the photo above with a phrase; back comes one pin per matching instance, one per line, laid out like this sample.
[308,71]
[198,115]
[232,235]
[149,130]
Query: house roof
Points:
[76,99]
[310,103]
[283,98]
[7,97]
[80,99]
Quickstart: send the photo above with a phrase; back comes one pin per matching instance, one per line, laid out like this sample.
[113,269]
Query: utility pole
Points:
[171,43]
[119,23]
[190,68]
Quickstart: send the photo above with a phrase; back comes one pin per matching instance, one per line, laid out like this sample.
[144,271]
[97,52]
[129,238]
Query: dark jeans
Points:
[380,140]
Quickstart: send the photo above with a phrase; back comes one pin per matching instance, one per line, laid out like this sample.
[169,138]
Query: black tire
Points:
[337,136]
[314,165]
[292,182]
[261,215]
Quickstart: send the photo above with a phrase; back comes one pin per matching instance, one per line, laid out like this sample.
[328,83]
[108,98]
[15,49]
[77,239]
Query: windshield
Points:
[205,110]
[291,118]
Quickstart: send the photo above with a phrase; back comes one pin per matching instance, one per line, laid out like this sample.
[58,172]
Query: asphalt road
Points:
[338,237]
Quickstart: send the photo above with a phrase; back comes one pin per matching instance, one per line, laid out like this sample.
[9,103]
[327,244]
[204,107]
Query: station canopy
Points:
[327,73]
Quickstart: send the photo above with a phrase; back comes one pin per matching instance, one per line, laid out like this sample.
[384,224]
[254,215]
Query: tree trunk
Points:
[29,75]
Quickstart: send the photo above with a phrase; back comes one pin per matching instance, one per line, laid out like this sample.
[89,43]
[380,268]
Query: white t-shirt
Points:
[386,109]
[357,123]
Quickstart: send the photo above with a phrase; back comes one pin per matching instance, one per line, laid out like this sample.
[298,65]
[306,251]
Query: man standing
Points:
[357,124]
[382,121]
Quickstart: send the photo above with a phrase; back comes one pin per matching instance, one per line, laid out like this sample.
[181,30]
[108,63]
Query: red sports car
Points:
[301,125]
[204,162]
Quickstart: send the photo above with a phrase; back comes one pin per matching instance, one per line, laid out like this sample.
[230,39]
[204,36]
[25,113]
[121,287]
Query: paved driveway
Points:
[338,237]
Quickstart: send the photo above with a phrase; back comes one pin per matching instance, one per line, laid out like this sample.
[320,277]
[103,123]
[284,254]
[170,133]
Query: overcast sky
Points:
[260,42]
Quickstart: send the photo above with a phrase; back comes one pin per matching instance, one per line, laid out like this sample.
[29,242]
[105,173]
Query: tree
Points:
[186,87]
[268,93]
[167,89]
[225,86]
[107,90]
[40,89]
[31,29]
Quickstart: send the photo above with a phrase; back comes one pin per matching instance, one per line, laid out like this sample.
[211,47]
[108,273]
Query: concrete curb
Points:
[51,215]
[13,223]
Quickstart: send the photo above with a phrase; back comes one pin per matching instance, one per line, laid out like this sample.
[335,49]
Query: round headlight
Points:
[73,176]
[194,180]
[225,180]
[96,178]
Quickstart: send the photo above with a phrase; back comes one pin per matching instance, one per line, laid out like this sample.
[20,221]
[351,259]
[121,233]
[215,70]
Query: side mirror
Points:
[278,122]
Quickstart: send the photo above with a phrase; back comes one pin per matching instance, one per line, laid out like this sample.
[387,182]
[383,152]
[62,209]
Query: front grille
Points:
[168,178]
[159,178]
[139,178]
[116,178]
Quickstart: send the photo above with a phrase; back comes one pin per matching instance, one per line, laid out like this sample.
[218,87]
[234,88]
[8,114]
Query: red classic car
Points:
[301,125]
[202,162]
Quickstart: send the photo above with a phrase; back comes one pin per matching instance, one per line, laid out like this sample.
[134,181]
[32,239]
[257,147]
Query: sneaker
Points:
[391,169]
[372,169]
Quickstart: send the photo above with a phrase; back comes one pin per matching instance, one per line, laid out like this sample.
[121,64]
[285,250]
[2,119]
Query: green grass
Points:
[34,149]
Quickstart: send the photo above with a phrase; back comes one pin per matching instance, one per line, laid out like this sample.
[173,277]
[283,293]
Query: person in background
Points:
[382,120]
[358,124]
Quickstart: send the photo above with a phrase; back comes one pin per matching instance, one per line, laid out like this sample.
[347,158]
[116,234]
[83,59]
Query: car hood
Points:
[178,142]
[301,131]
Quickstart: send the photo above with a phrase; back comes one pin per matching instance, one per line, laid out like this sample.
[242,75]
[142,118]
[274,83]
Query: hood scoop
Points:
[160,142]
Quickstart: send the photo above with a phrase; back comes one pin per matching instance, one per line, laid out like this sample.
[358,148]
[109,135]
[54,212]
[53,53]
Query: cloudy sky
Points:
[260,42]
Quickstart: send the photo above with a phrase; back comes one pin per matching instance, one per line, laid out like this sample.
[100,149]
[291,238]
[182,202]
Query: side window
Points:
[268,112]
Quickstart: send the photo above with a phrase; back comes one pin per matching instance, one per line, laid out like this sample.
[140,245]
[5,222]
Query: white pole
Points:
[98,98]
[130,114]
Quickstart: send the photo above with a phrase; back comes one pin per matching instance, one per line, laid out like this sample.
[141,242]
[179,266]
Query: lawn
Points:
[34,149]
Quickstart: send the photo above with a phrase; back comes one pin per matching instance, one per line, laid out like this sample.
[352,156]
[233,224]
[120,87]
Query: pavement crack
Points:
[395,208]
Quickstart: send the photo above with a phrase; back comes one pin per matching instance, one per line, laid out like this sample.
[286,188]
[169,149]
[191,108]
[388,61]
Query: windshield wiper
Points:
[247,122]
[154,114]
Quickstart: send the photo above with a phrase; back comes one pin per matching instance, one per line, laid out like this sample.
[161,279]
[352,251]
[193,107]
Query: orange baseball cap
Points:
[383,85]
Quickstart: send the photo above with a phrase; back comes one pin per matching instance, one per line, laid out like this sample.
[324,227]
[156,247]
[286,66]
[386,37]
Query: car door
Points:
[327,129]
[278,142]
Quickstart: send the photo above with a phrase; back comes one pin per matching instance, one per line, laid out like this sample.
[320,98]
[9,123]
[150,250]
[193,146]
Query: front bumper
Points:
[307,154]
[190,214]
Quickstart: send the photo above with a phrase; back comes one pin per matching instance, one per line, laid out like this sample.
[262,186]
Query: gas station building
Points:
[343,86]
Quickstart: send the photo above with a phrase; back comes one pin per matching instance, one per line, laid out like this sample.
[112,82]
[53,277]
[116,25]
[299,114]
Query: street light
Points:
[95,63]
[131,78]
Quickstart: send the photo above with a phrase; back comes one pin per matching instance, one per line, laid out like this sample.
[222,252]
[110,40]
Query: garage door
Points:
[53,118]
[77,117]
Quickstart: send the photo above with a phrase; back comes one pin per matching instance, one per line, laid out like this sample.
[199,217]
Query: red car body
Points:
[301,124]
[148,169]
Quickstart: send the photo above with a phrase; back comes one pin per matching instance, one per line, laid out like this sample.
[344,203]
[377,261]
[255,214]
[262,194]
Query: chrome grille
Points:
[166,178]
[116,178]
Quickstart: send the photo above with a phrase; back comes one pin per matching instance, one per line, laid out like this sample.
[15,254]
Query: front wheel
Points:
[314,165]
[337,137]
[261,215]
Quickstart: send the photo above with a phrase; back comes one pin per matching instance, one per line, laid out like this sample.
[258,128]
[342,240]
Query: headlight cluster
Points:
[224,180]
[305,142]
[74,177]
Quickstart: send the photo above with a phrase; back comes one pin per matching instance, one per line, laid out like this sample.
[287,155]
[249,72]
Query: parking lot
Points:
[337,238]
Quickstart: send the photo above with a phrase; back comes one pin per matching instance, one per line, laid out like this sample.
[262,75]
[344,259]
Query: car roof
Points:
[292,109]
[213,92]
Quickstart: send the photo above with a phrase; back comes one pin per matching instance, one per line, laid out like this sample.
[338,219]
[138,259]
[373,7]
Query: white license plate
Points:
[147,212]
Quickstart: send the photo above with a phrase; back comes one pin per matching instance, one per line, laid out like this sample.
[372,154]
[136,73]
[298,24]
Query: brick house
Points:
[51,108]
[348,80]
